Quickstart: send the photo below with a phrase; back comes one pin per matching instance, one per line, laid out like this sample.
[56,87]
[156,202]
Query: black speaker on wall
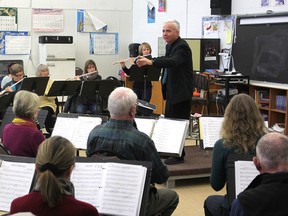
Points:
[220,7]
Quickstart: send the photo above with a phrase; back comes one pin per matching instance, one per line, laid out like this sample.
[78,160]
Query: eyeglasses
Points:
[19,74]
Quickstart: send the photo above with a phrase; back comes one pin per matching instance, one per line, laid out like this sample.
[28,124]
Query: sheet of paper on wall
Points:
[15,43]
[48,20]
[210,130]
[8,19]
[87,22]
[245,172]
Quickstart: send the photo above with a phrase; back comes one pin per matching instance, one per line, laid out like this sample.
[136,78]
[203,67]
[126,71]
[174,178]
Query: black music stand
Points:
[6,100]
[35,84]
[64,88]
[98,88]
[145,73]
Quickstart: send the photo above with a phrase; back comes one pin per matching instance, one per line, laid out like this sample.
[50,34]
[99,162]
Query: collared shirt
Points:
[123,138]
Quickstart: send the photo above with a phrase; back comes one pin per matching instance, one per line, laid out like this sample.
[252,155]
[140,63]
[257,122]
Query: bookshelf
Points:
[274,106]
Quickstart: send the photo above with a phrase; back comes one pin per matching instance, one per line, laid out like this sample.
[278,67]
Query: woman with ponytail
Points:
[53,193]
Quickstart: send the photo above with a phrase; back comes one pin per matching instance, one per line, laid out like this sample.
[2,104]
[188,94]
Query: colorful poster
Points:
[150,12]
[87,22]
[8,19]
[161,7]
[15,43]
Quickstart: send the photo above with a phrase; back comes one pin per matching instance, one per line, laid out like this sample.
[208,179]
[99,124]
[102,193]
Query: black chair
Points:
[4,150]
[201,85]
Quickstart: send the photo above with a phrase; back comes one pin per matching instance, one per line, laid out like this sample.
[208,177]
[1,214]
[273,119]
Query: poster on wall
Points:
[150,12]
[104,43]
[87,22]
[161,7]
[8,19]
[15,43]
[48,20]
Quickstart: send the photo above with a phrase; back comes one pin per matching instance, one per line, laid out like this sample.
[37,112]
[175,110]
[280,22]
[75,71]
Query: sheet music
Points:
[169,135]
[245,172]
[84,126]
[145,125]
[76,129]
[210,130]
[15,181]
[114,188]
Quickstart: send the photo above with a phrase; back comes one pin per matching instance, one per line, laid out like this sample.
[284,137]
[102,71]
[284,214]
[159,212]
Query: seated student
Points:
[87,102]
[120,137]
[267,193]
[47,103]
[53,193]
[17,74]
[22,137]
[8,77]
[138,86]
[242,127]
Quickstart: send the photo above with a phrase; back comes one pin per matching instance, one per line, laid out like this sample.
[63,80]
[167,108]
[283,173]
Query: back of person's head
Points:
[55,160]
[16,68]
[41,67]
[120,101]
[243,124]
[272,151]
[144,45]
[26,104]
[87,63]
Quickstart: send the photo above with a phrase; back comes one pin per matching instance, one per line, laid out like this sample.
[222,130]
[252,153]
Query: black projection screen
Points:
[261,47]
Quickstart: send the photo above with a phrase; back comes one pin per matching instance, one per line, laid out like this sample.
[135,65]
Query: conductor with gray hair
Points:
[267,193]
[120,138]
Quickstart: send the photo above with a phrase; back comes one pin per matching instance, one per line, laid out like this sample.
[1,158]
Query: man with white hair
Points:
[267,193]
[120,138]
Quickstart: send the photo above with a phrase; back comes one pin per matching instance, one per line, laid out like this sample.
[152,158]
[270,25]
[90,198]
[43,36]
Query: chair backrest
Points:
[200,81]
[4,150]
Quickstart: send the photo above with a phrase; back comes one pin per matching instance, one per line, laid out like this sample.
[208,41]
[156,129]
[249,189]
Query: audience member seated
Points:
[53,193]
[47,103]
[267,193]
[241,129]
[22,137]
[120,137]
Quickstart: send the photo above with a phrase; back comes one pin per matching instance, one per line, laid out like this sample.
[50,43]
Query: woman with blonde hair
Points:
[241,129]
[22,137]
[53,193]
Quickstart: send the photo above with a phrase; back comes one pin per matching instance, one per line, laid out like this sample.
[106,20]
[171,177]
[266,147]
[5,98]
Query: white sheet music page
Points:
[169,135]
[64,127]
[15,180]
[210,130]
[113,188]
[87,181]
[123,189]
[245,172]
[145,125]
[83,128]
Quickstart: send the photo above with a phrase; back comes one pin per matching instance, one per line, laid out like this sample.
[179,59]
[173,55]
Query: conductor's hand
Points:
[142,61]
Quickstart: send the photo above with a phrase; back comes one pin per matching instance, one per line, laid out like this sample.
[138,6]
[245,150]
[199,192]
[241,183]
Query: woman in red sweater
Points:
[53,193]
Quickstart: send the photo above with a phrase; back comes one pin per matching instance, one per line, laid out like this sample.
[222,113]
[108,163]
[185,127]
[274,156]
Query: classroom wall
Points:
[189,14]
[117,14]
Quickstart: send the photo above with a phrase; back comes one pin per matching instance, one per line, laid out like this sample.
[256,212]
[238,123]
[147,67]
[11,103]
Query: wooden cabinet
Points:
[273,109]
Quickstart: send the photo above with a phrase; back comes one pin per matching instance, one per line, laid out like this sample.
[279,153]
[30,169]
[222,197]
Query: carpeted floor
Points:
[197,164]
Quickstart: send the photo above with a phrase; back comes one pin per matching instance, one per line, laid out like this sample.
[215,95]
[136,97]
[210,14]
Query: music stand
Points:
[6,100]
[35,84]
[98,88]
[64,88]
[145,73]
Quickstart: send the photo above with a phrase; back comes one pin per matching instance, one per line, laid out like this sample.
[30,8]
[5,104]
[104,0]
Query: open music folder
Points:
[113,187]
[76,128]
[210,130]
[168,134]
